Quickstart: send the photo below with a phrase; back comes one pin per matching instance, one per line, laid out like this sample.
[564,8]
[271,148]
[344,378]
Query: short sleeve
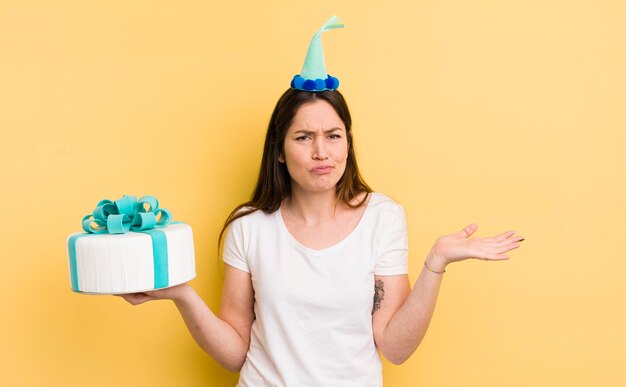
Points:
[392,247]
[234,251]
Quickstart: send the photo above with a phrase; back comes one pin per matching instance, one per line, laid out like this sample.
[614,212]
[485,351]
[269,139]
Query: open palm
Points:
[459,246]
[159,294]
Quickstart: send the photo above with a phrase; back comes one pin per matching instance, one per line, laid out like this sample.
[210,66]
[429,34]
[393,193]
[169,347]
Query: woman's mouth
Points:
[322,170]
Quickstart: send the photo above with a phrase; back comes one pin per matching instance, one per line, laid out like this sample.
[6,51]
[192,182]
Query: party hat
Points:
[313,76]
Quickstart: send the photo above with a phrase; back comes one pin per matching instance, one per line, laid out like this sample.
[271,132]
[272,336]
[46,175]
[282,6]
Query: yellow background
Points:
[507,113]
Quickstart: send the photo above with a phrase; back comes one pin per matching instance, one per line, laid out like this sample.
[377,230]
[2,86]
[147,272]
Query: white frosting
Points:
[123,263]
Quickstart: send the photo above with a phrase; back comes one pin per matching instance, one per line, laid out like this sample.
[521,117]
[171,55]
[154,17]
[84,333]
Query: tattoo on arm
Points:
[379,295]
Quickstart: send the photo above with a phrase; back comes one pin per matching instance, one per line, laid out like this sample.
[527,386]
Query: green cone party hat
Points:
[313,76]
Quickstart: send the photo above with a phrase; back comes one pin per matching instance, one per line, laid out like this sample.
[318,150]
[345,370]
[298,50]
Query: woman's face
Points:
[316,148]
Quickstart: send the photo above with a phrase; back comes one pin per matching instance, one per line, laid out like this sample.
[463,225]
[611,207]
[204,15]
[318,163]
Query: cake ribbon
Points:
[122,216]
[126,214]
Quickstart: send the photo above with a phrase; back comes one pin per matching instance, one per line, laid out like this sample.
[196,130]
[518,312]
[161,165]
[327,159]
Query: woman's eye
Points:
[302,138]
[334,136]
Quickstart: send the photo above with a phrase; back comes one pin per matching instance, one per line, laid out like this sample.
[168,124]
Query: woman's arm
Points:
[401,316]
[225,338]
[401,322]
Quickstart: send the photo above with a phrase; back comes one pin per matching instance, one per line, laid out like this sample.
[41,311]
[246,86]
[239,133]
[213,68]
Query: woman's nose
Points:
[319,148]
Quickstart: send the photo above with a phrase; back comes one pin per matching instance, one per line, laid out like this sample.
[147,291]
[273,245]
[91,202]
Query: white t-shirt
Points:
[313,308]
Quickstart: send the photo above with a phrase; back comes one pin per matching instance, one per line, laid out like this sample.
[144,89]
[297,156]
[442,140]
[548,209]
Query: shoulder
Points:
[385,213]
[249,228]
[380,202]
[252,218]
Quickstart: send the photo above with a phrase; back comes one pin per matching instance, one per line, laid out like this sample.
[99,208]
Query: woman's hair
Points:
[274,183]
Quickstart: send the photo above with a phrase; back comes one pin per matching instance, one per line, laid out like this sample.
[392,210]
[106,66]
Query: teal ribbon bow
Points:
[120,217]
[126,214]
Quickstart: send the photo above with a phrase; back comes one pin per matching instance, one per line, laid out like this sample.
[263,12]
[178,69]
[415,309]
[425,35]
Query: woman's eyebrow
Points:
[304,131]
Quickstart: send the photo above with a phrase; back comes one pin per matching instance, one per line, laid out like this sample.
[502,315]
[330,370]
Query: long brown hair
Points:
[274,182]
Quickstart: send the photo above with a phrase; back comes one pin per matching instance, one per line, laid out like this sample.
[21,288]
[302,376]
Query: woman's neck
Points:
[311,207]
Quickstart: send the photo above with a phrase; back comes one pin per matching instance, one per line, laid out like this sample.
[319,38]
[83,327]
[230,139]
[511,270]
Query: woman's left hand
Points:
[459,246]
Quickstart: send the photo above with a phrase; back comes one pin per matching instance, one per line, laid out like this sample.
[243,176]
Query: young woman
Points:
[316,263]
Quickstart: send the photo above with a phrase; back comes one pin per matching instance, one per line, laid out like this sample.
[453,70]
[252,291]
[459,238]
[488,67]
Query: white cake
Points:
[131,262]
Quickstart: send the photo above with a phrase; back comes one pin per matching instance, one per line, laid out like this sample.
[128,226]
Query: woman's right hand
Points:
[173,293]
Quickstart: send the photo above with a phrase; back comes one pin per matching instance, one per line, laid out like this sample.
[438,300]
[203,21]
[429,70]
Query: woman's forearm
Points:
[214,335]
[409,324]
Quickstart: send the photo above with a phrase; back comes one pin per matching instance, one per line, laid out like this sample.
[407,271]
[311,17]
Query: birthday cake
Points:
[130,246]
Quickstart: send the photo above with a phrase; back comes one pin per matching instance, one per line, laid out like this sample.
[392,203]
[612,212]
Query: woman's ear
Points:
[281,159]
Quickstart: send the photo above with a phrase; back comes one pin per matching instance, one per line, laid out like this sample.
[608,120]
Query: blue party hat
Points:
[313,76]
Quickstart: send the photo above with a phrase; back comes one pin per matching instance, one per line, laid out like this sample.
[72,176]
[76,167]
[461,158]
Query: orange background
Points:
[510,114]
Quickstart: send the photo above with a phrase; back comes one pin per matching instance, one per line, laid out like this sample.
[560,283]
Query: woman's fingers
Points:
[491,256]
[135,298]
[461,246]
[503,236]
[497,252]
[490,250]
[468,231]
[507,242]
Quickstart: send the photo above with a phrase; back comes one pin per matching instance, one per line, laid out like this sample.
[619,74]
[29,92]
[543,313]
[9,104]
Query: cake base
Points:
[130,292]
[132,262]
